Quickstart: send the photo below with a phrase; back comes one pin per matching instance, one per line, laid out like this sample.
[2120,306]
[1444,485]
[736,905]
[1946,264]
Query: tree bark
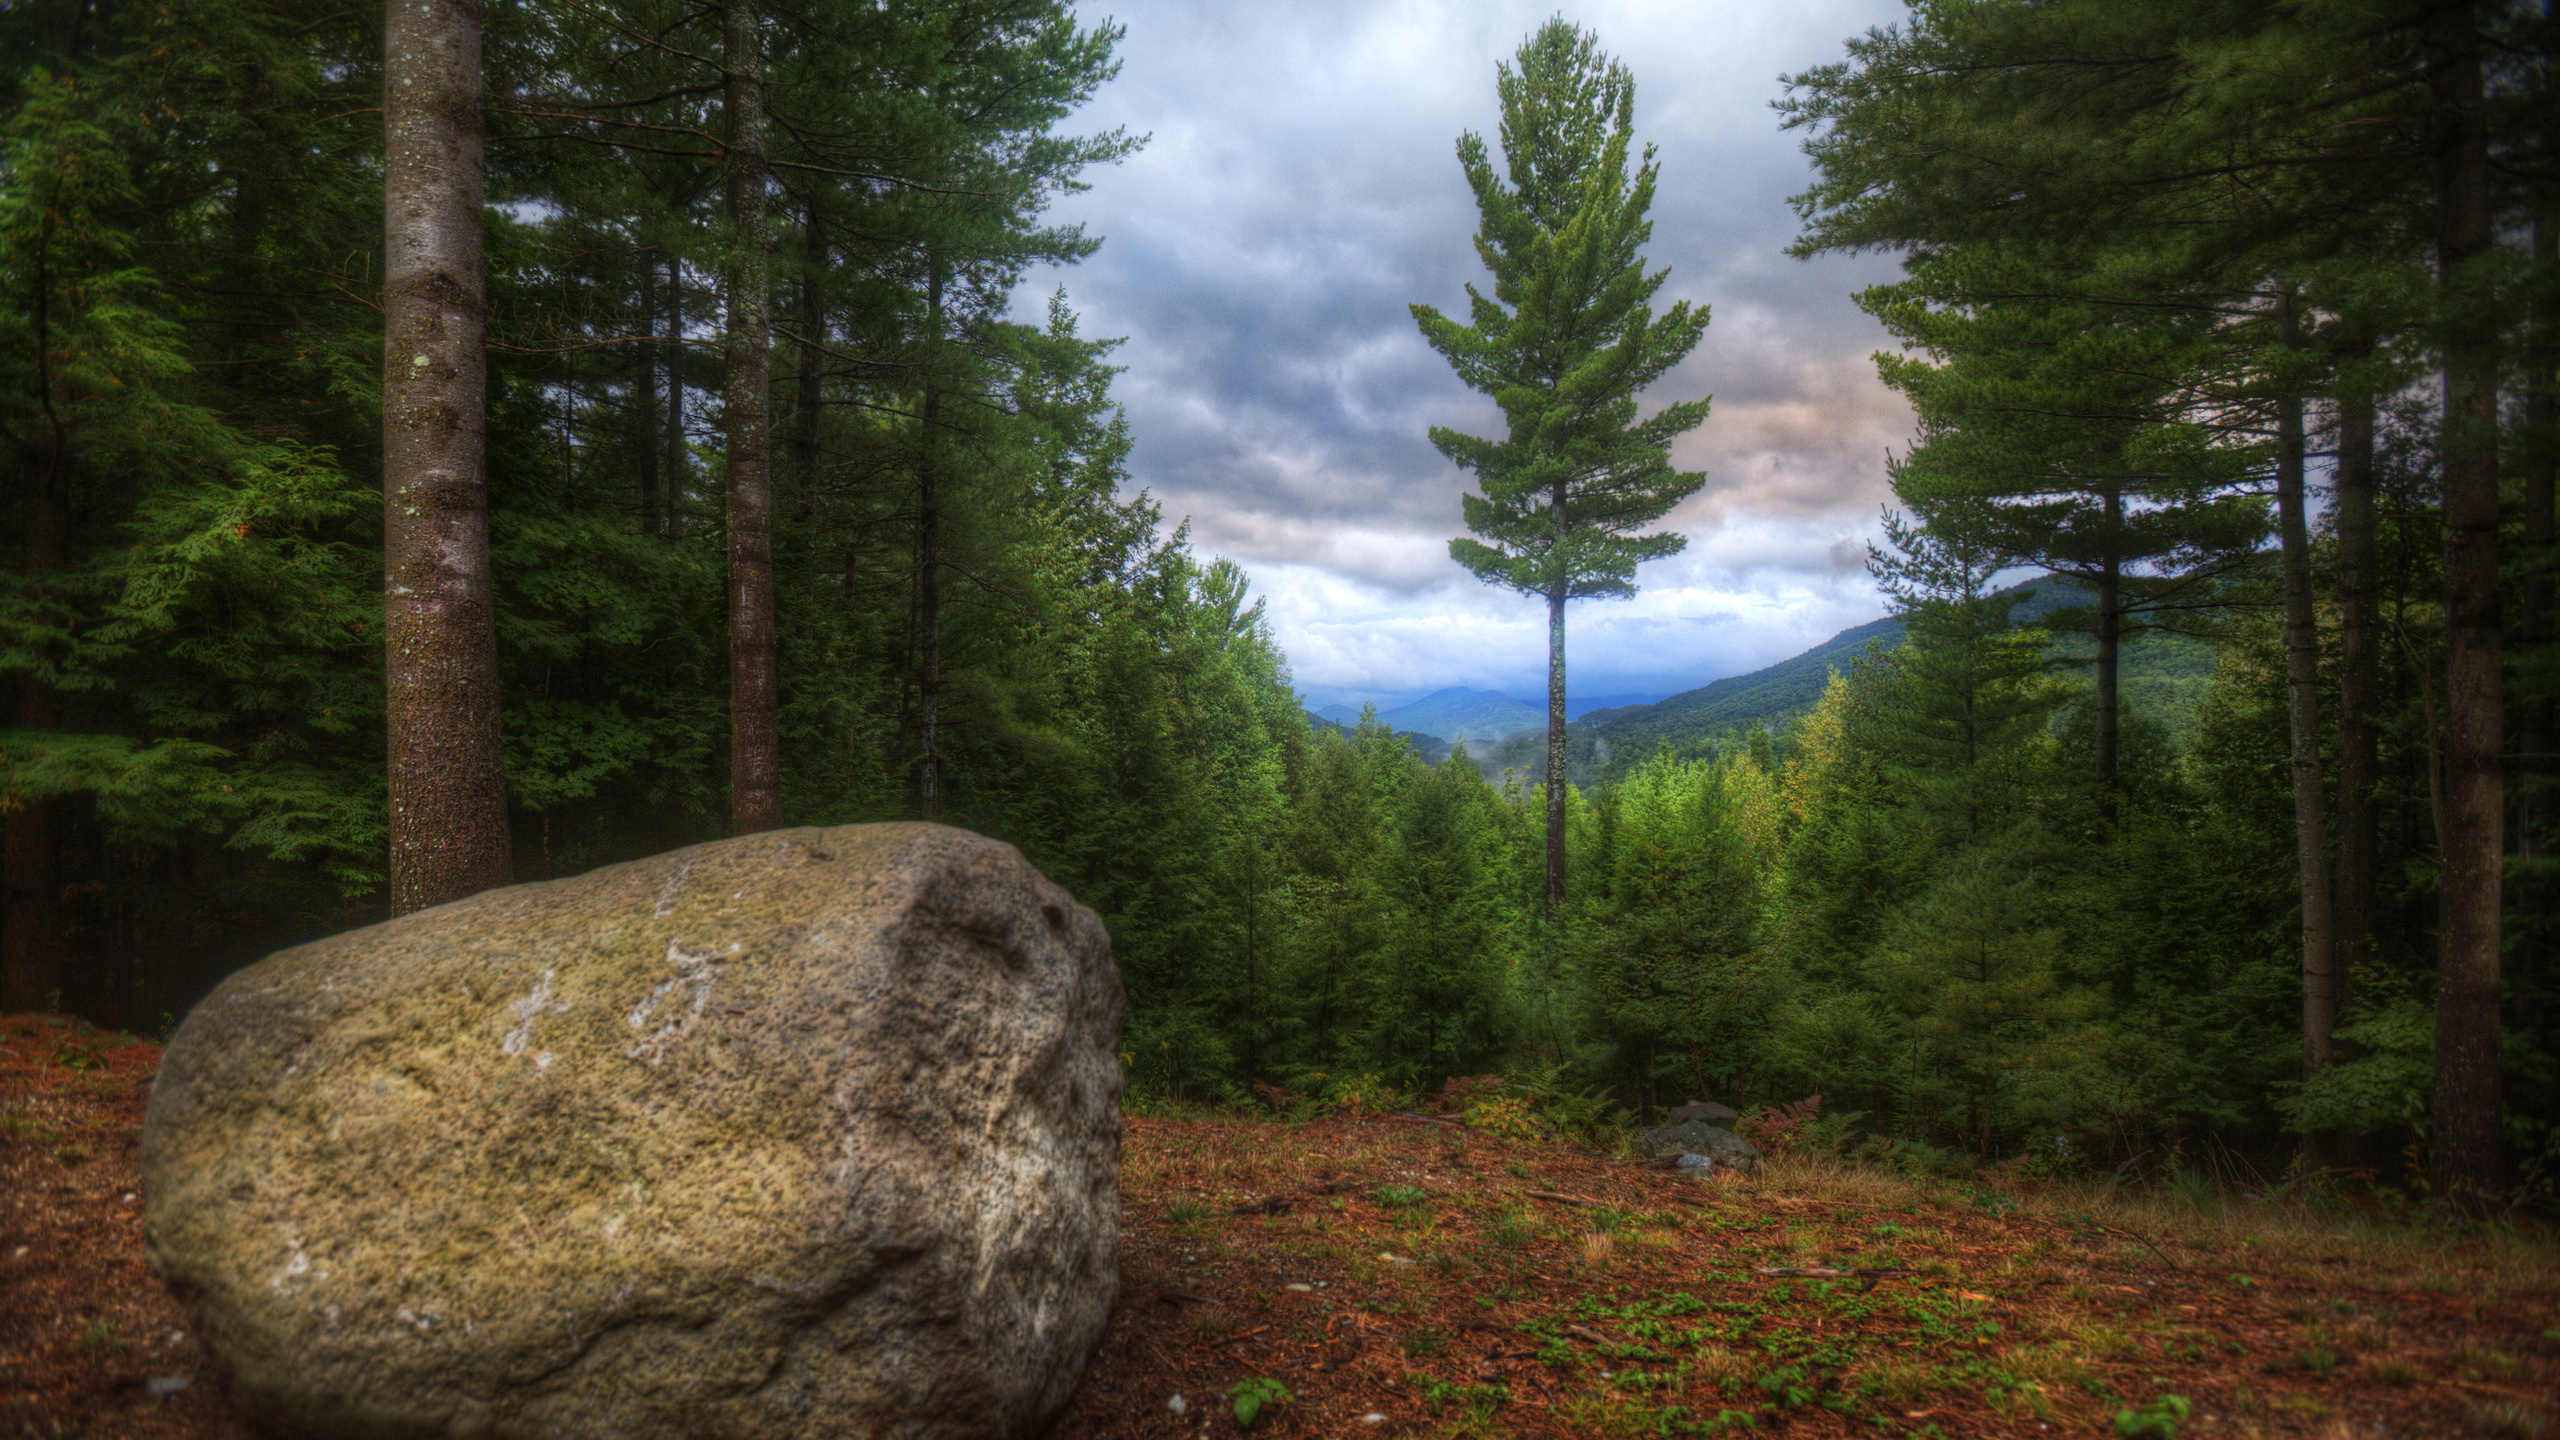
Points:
[644,395]
[2302,707]
[2105,727]
[448,791]
[755,768]
[812,369]
[2466,1162]
[2359,702]
[1555,749]
[672,523]
[929,567]
[2531,952]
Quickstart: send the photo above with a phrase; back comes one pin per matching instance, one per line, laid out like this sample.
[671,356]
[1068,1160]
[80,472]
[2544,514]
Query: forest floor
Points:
[1412,1277]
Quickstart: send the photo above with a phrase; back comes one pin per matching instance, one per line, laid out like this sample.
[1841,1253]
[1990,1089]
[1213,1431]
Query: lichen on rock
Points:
[802,1133]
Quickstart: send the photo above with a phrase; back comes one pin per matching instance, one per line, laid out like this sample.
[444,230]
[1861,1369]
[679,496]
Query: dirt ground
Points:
[1400,1276]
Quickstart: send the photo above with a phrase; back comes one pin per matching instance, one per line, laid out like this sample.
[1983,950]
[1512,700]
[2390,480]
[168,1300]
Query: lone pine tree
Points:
[1564,345]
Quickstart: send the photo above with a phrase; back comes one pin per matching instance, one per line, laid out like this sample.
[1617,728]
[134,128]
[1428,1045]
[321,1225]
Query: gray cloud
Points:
[1301,190]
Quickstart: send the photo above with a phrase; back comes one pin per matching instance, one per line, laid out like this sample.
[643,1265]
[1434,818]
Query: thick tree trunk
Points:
[2310,795]
[448,789]
[755,765]
[644,395]
[2467,1164]
[929,570]
[2359,701]
[1555,753]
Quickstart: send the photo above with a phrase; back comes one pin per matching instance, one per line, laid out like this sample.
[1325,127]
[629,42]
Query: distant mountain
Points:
[1343,715]
[1459,713]
[1577,706]
[1737,700]
[2163,677]
[1431,748]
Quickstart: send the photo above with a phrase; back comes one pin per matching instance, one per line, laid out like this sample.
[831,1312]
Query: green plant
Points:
[1185,1212]
[101,1338]
[1511,1230]
[1424,1343]
[2395,1375]
[1400,1197]
[27,1127]
[1250,1397]
[2158,1420]
[80,1055]
[70,1154]
[1480,1401]
[2319,1357]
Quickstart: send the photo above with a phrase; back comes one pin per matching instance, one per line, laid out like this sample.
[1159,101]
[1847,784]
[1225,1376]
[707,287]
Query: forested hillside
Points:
[2163,677]
[2233,859]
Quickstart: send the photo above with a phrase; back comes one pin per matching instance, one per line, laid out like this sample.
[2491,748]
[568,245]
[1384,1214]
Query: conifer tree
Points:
[755,760]
[1967,691]
[448,787]
[1564,345]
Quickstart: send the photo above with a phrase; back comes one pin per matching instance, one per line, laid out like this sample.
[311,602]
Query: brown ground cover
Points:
[1417,1277]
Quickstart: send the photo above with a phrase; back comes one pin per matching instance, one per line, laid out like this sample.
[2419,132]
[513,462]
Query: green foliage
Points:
[1255,1394]
[1568,338]
[2158,1420]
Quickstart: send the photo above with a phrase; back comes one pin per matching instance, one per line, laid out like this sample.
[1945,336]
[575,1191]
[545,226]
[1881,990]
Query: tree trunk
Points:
[755,767]
[2302,697]
[2467,1163]
[2359,702]
[2532,948]
[2104,728]
[1555,751]
[644,395]
[673,526]
[812,369]
[929,569]
[448,789]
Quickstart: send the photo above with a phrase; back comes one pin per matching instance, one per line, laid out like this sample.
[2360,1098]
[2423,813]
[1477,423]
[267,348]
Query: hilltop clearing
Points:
[1457,1282]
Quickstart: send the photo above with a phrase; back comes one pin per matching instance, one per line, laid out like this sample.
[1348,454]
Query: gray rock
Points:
[807,1133]
[1697,1137]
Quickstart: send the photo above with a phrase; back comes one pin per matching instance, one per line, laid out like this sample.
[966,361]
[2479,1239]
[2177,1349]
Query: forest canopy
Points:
[2229,329]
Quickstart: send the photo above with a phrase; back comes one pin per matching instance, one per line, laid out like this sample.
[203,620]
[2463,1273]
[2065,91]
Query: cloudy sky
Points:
[1301,189]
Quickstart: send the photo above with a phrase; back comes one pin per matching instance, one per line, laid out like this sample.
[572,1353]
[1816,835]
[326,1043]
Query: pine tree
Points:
[1979,982]
[1564,345]
[449,833]
[755,761]
[1967,693]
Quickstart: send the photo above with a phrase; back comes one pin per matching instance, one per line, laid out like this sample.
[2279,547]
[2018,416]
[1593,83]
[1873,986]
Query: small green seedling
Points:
[1251,1397]
[2158,1420]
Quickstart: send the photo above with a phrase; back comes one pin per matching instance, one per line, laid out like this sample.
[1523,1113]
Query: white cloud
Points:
[1301,189]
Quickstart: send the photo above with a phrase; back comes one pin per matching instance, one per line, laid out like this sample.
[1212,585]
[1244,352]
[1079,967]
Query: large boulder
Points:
[1697,1137]
[807,1133]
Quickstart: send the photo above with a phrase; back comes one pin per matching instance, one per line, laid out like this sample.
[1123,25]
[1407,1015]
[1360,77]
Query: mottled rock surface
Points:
[1697,1137]
[813,1132]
